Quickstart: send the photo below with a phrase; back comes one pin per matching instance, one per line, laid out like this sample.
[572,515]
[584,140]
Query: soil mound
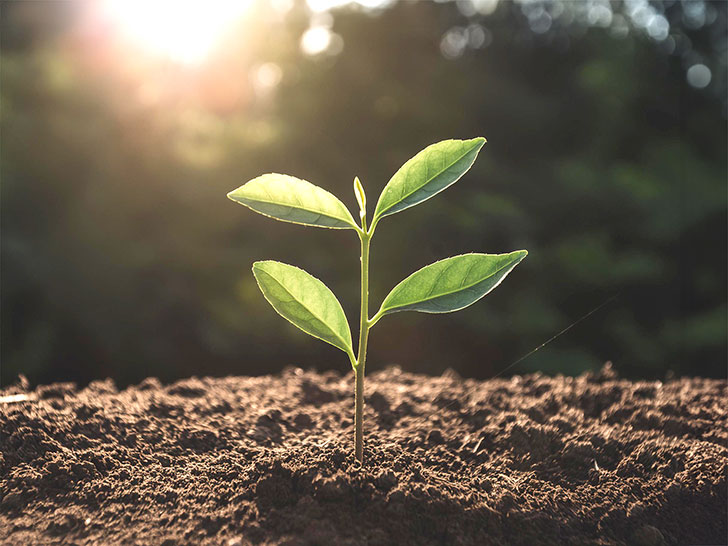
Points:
[268,460]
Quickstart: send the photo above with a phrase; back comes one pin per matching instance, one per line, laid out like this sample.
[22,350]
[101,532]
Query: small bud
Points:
[360,197]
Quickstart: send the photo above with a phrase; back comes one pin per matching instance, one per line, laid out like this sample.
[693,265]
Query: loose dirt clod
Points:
[268,460]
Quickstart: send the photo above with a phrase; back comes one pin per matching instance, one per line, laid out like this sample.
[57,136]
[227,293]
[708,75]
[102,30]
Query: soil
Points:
[268,460]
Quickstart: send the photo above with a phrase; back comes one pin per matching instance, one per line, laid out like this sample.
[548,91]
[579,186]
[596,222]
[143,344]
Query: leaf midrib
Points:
[299,207]
[456,290]
[402,198]
[308,309]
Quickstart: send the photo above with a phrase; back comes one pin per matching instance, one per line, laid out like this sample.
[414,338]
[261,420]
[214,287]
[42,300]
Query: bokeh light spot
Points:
[268,76]
[658,27]
[319,39]
[699,76]
[454,42]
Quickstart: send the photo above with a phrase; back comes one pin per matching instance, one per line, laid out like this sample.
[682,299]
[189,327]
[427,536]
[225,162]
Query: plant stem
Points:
[362,354]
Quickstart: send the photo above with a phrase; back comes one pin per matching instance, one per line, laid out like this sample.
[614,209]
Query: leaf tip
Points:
[519,255]
[258,266]
[479,141]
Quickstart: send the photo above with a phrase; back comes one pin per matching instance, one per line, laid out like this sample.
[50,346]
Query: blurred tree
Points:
[606,159]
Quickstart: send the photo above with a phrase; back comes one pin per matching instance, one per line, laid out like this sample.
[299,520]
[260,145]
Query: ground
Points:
[269,460]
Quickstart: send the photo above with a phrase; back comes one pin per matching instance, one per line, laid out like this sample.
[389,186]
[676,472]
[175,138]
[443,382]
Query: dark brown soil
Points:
[268,460]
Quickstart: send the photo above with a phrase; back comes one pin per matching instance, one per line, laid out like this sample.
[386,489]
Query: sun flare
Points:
[185,31]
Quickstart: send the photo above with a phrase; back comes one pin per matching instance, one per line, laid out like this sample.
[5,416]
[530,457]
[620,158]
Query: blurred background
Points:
[124,124]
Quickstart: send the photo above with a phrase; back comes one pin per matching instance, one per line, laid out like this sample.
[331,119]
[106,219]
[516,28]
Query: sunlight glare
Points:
[183,30]
[318,6]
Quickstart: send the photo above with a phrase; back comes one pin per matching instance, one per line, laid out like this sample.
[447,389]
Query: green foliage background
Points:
[122,257]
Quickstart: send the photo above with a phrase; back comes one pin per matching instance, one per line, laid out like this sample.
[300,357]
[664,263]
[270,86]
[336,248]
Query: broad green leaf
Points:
[305,301]
[451,284]
[294,200]
[426,174]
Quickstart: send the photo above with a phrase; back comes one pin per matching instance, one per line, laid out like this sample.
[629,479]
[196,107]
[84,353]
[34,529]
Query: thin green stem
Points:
[362,354]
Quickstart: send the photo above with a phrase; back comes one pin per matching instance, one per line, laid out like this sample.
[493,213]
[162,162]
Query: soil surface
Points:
[268,460]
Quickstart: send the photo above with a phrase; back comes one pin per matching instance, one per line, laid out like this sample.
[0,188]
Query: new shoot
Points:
[442,287]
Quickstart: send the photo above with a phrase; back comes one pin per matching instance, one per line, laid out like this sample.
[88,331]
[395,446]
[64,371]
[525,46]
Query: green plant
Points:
[448,285]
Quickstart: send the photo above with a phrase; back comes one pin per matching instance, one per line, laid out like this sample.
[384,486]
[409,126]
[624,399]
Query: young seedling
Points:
[442,287]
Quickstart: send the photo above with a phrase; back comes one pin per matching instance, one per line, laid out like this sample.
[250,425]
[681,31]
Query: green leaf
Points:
[305,301]
[294,200]
[451,284]
[426,174]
